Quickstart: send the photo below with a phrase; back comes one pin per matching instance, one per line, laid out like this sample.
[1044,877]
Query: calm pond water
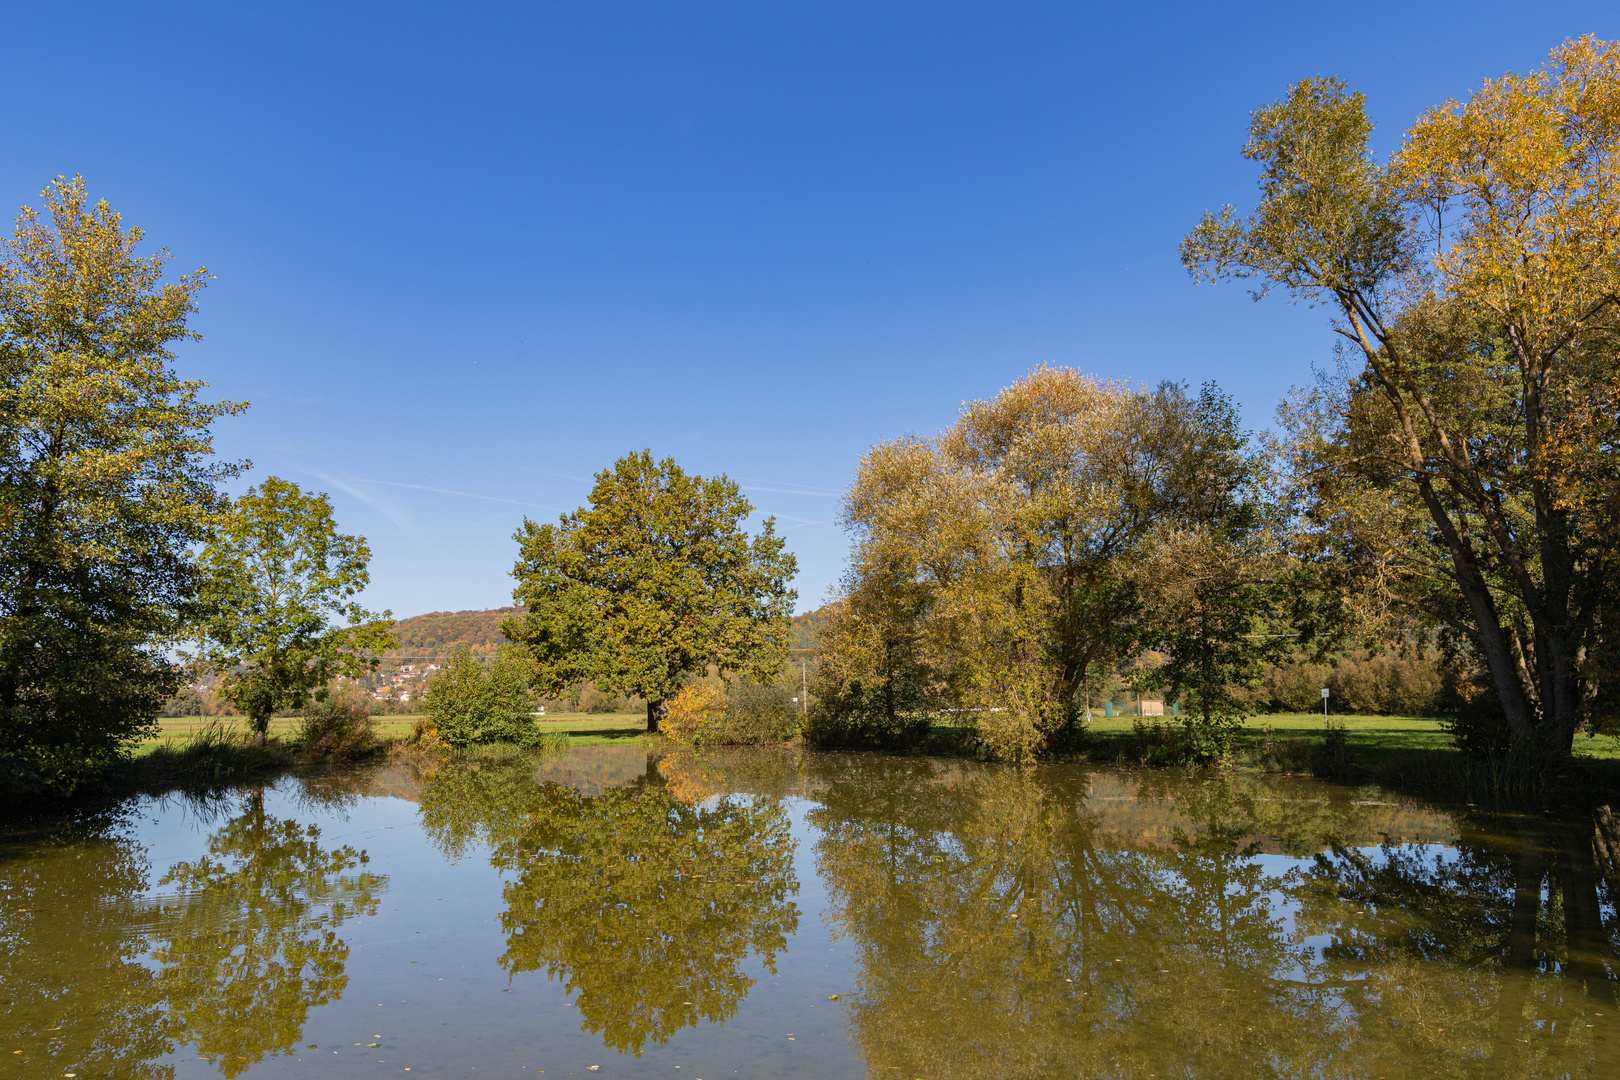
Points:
[614,913]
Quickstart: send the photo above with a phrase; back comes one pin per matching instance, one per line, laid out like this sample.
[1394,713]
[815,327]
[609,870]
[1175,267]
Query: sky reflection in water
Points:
[776,913]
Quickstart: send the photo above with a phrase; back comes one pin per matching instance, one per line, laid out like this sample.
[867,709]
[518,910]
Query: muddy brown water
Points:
[613,912]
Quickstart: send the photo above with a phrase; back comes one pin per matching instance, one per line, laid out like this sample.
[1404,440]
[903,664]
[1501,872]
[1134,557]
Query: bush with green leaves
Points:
[755,713]
[850,714]
[471,705]
[341,726]
[743,713]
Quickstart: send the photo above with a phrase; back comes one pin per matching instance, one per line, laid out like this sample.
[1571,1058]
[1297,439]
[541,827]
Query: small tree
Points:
[278,573]
[470,705]
[654,581]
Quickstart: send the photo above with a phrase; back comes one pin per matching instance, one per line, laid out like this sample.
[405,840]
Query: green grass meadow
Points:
[1379,744]
[584,729]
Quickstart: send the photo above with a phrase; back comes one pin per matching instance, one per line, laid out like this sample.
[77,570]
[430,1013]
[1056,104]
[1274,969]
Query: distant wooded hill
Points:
[807,633]
[435,635]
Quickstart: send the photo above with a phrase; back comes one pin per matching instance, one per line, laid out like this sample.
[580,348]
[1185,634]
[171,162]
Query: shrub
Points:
[1297,685]
[1474,717]
[846,715]
[1409,683]
[754,713]
[1335,758]
[1406,683]
[692,707]
[1158,742]
[471,706]
[1282,753]
[745,713]
[1191,740]
[341,726]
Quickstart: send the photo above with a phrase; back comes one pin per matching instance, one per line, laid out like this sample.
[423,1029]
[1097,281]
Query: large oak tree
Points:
[654,581]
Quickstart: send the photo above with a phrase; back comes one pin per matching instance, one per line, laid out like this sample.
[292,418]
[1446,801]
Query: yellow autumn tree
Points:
[995,567]
[1461,470]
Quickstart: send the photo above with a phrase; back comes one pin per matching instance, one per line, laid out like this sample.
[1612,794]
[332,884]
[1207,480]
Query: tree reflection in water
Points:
[644,904]
[231,962]
[1017,923]
[249,942]
[74,993]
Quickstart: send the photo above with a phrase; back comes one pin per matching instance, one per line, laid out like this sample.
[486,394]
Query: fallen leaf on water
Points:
[834,997]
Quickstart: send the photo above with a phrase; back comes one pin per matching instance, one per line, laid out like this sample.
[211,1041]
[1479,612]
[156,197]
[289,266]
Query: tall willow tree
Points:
[995,568]
[106,479]
[1465,469]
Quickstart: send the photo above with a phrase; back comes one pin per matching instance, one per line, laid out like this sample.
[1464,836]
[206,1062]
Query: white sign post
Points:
[1324,705]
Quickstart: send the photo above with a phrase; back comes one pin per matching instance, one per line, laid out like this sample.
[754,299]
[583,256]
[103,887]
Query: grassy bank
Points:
[1371,737]
[1408,752]
[590,727]
[208,751]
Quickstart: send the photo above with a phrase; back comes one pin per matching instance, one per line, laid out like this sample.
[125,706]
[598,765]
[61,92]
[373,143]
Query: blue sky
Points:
[468,254]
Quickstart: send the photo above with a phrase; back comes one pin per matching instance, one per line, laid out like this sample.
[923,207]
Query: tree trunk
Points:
[1520,959]
[655,712]
[261,727]
[1559,677]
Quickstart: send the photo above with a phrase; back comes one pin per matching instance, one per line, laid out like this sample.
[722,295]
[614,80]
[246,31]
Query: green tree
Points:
[470,704]
[654,581]
[277,573]
[1465,467]
[106,480]
[1218,592]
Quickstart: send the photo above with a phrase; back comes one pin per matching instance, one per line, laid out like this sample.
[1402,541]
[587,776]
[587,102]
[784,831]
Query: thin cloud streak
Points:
[388,508]
[448,491]
[790,491]
[786,487]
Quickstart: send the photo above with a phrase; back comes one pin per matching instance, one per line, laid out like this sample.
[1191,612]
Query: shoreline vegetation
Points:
[1412,755]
